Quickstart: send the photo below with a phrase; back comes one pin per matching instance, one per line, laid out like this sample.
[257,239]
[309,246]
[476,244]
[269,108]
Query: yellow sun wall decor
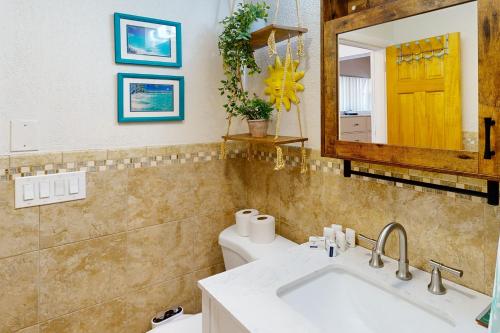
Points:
[274,83]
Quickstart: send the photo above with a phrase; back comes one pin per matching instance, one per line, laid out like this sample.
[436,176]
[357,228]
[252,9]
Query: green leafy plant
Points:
[237,52]
[255,109]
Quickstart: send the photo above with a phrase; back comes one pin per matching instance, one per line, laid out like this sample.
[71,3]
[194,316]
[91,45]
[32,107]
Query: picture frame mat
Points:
[140,57]
[127,113]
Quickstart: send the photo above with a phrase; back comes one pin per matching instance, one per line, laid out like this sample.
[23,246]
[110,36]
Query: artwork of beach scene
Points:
[147,97]
[149,41]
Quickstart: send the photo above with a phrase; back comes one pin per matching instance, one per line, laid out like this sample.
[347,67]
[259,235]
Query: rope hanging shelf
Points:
[268,37]
[281,33]
[269,139]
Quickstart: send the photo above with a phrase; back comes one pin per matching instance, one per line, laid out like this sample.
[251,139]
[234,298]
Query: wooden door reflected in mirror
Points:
[412,82]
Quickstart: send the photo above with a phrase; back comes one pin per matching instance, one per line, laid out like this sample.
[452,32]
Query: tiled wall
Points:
[139,242]
[460,231]
[148,229]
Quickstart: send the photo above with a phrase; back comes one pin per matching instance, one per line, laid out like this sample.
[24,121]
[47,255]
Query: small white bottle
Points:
[313,242]
[350,236]
[341,241]
[328,233]
[336,228]
[321,242]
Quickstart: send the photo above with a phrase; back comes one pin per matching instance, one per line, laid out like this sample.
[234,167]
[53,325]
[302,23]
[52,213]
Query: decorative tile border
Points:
[207,153]
[335,166]
[148,157]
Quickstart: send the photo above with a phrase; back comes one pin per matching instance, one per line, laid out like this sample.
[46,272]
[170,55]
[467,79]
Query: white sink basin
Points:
[336,299]
[304,291]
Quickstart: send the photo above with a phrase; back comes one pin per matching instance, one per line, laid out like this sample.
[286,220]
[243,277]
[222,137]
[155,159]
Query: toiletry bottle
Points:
[350,236]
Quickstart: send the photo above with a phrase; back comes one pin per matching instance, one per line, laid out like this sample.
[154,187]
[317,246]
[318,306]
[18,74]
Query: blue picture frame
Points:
[175,98]
[160,55]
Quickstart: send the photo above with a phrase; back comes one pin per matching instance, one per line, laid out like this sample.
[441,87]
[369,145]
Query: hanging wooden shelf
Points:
[282,32]
[270,139]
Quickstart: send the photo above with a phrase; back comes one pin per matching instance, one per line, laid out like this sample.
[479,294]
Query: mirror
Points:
[412,82]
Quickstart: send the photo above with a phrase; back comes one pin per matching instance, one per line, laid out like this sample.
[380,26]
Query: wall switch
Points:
[59,189]
[23,135]
[28,192]
[73,186]
[44,188]
[49,189]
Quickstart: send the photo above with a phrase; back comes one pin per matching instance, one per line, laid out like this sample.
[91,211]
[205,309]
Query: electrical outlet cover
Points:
[23,135]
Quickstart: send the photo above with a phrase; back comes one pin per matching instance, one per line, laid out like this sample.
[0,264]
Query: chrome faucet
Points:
[402,273]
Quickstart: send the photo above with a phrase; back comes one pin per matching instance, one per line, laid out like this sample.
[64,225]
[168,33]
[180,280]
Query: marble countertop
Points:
[249,292]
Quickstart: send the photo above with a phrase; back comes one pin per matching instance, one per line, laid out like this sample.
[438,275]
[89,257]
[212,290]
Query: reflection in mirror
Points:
[412,82]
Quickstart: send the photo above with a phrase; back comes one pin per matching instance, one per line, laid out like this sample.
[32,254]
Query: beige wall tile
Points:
[81,274]
[490,245]
[446,230]
[102,213]
[36,159]
[301,199]
[18,227]
[18,292]
[290,232]
[159,253]
[145,303]
[108,317]
[263,188]
[4,162]
[121,153]
[32,329]
[207,251]
[164,194]
[84,155]
[220,186]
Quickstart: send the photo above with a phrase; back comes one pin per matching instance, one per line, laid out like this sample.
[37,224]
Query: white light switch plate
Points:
[47,189]
[23,135]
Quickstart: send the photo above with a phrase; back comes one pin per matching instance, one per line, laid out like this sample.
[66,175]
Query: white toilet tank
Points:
[238,250]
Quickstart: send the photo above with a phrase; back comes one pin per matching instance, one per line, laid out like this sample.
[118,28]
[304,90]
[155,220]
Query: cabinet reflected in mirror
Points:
[412,82]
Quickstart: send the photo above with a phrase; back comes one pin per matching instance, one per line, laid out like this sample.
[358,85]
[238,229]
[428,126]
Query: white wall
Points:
[57,67]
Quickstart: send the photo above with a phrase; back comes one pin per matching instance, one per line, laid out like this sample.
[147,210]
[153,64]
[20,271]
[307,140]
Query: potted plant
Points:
[237,53]
[257,113]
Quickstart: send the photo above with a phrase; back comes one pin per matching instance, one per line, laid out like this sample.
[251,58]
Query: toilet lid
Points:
[188,324]
[250,251]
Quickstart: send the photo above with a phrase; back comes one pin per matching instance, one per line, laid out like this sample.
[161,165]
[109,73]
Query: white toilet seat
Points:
[185,324]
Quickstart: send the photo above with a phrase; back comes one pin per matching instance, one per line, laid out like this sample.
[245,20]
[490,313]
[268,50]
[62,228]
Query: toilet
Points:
[236,251]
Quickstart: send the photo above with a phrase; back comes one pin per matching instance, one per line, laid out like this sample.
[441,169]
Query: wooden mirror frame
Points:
[336,20]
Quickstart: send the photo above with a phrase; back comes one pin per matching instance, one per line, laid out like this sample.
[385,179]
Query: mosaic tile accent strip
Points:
[335,166]
[207,152]
[120,164]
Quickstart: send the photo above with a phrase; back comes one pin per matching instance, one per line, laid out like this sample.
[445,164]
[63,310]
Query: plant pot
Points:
[258,128]
[257,25]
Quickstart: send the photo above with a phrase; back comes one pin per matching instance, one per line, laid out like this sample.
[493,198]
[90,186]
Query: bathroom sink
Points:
[337,299]
[302,290]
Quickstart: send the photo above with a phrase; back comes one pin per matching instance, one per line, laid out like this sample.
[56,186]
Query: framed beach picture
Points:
[147,97]
[147,41]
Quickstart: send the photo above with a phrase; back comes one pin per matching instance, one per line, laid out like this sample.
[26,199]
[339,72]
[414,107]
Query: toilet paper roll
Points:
[242,218]
[262,229]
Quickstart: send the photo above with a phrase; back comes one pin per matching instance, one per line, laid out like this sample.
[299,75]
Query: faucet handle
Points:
[375,260]
[436,285]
